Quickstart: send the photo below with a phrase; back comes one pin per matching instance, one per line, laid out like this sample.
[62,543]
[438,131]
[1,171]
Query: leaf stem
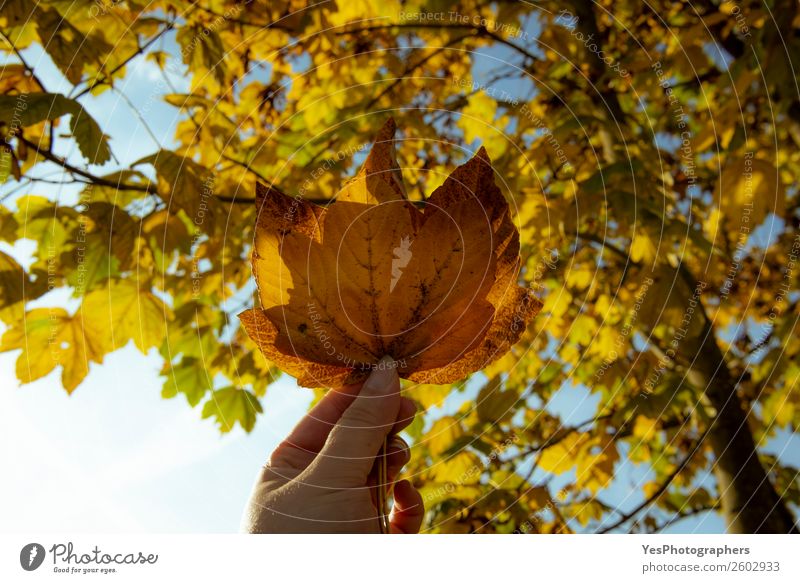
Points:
[383,479]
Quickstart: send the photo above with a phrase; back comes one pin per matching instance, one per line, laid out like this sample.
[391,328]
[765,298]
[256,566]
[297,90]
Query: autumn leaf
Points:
[749,189]
[12,279]
[50,337]
[562,455]
[184,184]
[373,275]
[70,49]
[127,312]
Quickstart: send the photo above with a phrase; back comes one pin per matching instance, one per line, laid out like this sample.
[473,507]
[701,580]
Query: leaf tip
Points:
[483,155]
[389,127]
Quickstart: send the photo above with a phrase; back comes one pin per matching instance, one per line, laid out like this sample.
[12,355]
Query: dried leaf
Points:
[372,275]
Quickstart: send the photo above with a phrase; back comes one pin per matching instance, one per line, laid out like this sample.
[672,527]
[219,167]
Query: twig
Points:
[22,60]
[97,180]
[383,484]
[679,517]
[661,489]
[107,78]
[411,68]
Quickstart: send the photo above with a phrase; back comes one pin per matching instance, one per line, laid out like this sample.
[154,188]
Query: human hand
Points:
[322,478]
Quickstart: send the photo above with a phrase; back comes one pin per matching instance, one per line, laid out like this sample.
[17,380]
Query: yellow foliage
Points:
[561,457]
[464,468]
[442,435]
[609,158]
[749,188]
[126,312]
[50,338]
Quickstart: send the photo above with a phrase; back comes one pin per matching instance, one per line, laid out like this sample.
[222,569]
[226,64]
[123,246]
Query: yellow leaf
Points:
[557,303]
[595,470]
[442,435]
[644,427]
[604,342]
[580,276]
[642,247]
[585,512]
[477,121]
[464,468]
[50,337]
[427,395]
[749,188]
[561,457]
[435,492]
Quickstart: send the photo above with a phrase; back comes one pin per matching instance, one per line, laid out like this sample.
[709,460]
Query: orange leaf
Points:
[372,275]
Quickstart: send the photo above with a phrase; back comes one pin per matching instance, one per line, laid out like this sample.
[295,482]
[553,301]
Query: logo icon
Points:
[402,255]
[31,556]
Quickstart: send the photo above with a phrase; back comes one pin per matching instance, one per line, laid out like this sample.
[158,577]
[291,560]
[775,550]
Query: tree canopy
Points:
[649,152]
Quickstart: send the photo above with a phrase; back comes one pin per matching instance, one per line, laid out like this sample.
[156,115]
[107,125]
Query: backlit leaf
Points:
[229,406]
[31,108]
[373,276]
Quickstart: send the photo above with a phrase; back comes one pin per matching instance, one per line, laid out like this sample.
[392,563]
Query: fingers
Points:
[349,453]
[397,455]
[406,415]
[309,435]
[307,438]
[408,510]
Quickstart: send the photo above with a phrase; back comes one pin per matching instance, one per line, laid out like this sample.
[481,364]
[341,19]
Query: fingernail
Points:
[383,379]
[398,443]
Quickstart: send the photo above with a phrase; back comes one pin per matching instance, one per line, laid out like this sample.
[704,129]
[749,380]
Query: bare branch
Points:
[661,489]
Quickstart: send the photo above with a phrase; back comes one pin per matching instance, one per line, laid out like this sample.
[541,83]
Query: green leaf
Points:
[231,405]
[184,185]
[202,50]
[189,377]
[493,403]
[6,163]
[12,280]
[414,431]
[70,49]
[92,265]
[27,109]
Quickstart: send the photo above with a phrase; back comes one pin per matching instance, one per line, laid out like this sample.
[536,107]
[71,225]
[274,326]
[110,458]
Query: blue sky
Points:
[116,457]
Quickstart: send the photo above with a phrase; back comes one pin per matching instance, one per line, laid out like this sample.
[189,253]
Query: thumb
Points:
[349,453]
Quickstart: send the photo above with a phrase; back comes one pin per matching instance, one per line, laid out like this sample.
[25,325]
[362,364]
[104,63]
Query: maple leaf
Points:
[372,275]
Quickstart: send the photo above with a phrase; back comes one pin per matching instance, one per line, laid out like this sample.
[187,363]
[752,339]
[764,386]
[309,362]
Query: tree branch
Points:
[411,68]
[677,518]
[99,181]
[661,489]
[107,77]
[480,31]
[22,60]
